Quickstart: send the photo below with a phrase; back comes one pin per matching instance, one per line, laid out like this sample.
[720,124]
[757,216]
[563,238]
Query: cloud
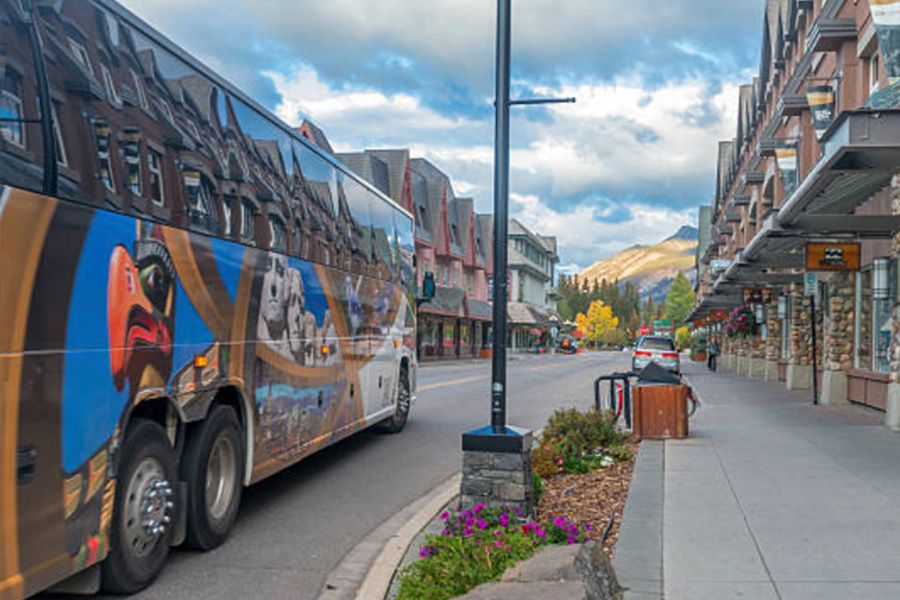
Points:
[656,85]
[443,50]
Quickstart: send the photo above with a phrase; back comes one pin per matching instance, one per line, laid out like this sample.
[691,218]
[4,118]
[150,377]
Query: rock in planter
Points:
[556,573]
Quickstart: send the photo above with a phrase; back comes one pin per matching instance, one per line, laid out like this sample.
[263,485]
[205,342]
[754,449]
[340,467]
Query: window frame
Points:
[4,93]
[139,90]
[157,156]
[114,97]
[82,56]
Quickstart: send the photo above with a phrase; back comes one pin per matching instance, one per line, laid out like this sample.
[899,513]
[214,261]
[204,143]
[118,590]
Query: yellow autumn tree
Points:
[599,325]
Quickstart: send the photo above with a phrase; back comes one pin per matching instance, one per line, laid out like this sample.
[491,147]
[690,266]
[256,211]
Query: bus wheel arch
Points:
[396,422]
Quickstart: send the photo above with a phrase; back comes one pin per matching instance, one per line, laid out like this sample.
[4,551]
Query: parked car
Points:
[658,349]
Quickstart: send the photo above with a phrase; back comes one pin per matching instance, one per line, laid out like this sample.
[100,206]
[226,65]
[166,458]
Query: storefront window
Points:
[465,337]
[864,320]
[449,335]
[881,331]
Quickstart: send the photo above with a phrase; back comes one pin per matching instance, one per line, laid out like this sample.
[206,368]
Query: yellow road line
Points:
[448,383]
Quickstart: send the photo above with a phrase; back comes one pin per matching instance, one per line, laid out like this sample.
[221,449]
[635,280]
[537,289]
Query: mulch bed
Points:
[590,498]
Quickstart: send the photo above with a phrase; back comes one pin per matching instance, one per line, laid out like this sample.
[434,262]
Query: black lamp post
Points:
[501,210]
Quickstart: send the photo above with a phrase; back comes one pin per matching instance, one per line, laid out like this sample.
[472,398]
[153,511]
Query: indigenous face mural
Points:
[141,313]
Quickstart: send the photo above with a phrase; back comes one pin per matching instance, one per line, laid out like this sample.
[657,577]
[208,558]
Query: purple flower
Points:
[426,552]
[482,525]
[445,515]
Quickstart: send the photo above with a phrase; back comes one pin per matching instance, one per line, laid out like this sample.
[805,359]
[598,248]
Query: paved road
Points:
[295,527]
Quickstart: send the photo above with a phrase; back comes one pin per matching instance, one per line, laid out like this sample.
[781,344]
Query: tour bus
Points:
[192,298]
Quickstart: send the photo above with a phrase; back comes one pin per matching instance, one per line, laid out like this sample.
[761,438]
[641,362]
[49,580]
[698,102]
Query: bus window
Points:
[405,248]
[355,222]
[21,146]
[383,238]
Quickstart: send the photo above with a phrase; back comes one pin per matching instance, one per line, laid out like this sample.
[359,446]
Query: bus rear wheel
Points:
[397,422]
[213,468]
[144,509]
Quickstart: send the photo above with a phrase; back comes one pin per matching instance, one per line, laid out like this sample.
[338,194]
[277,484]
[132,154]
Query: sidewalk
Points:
[770,498]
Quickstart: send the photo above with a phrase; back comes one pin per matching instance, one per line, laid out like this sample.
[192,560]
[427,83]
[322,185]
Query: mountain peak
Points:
[687,233]
[650,268]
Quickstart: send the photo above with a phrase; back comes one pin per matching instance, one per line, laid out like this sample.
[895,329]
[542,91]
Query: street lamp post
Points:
[501,209]
[497,459]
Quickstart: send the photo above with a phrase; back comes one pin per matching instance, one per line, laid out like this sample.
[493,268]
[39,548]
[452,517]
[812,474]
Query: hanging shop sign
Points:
[786,156]
[719,316]
[821,106]
[756,295]
[810,283]
[832,257]
[886,16]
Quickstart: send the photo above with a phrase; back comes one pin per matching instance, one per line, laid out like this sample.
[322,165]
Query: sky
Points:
[656,85]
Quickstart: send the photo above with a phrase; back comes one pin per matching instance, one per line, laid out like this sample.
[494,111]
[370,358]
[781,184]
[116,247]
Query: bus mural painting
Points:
[196,294]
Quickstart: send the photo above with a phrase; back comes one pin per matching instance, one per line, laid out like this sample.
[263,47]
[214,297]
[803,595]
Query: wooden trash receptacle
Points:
[660,412]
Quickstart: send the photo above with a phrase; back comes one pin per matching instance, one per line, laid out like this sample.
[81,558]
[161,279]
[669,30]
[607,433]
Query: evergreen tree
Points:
[680,300]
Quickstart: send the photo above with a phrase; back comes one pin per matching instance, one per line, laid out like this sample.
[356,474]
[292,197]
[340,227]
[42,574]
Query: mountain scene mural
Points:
[650,269]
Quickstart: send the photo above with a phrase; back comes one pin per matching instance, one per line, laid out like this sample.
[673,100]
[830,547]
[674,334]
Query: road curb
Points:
[365,573]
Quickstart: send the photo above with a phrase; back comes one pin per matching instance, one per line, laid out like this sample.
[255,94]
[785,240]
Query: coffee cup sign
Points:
[832,257]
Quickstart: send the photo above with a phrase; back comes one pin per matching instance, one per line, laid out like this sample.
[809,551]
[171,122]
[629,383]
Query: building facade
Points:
[809,185]
[452,241]
[533,294]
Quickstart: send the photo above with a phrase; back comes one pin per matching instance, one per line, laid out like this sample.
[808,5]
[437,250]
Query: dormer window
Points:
[110,85]
[139,90]
[278,236]
[11,129]
[81,56]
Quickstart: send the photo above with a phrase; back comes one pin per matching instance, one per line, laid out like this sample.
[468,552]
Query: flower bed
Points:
[582,468]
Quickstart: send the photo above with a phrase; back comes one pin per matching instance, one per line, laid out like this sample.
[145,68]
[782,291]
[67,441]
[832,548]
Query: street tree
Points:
[680,300]
[599,325]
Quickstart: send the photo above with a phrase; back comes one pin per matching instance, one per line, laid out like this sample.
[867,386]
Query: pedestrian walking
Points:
[712,354]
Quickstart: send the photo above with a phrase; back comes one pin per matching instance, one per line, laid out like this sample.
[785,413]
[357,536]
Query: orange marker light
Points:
[200,361]
[325,350]
[396,343]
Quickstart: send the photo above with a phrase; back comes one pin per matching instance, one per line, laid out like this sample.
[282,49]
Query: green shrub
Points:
[585,431]
[476,547]
[538,488]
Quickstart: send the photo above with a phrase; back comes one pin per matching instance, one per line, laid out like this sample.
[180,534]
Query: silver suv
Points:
[658,349]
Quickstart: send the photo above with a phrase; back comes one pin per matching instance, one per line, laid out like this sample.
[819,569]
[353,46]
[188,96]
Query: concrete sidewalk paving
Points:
[770,498]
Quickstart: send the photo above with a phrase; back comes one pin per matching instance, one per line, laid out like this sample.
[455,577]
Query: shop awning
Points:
[479,310]
[447,301]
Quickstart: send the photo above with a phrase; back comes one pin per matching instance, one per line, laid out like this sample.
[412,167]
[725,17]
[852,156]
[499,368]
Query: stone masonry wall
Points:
[495,478]
[801,334]
[841,314]
[773,334]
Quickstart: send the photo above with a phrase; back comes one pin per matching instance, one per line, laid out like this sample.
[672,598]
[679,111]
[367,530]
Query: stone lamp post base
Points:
[497,469]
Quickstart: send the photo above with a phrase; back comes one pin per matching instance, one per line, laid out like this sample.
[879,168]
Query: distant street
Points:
[294,528]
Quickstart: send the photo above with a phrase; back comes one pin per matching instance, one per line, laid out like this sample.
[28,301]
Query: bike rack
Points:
[625,378]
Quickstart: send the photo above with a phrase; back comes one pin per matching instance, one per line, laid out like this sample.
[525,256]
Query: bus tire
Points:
[397,421]
[213,469]
[144,509]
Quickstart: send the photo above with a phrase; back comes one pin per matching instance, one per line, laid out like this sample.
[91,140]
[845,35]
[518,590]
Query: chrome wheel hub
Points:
[148,505]
[221,472]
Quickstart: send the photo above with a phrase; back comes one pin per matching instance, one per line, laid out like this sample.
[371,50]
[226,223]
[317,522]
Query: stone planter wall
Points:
[773,343]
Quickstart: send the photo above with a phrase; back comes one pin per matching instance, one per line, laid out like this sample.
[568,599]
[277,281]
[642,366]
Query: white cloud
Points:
[616,142]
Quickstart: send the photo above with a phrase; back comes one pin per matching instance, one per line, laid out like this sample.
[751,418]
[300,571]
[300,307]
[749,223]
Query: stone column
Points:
[727,345]
[757,358]
[773,343]
[497,470]
[837,356]
[800,370]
